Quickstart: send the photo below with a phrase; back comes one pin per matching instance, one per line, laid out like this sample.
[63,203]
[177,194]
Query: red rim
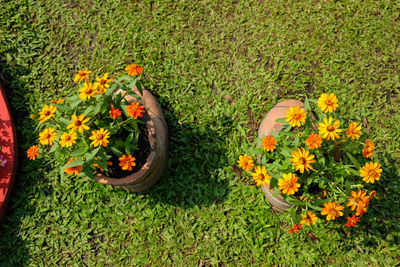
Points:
[8,142]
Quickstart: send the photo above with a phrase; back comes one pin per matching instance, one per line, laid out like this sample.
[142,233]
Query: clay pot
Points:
[267,125]
[155,164]
[8,142]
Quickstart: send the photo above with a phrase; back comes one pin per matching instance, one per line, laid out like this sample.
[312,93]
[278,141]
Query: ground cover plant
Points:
[216,67]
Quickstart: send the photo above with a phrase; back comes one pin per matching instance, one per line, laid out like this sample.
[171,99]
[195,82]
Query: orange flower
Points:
[362,208]
[296,228]
[332,210]
[134,70]
[371,172]
[368,149]
[288,184]
[268,143]
[356,198]
[354,131]
[82,75]
[352,221]
[245,162]
[372,194]
[97,166]
[135,110]
[73,170]
[115,113]
[127,162]
[314,141]
[32,152]
[59,101]
[309,218]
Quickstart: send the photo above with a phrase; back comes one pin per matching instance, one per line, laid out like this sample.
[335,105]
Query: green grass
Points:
[216,67]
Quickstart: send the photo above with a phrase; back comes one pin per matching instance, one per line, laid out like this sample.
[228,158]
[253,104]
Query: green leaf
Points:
[89,111]
[89,171]
[77,162]
[74,101]
[54,147]
[116,152]
[127,144]
[281,120]
[79,152]
[90,155]
[64,121]
[62,108]
[354,160]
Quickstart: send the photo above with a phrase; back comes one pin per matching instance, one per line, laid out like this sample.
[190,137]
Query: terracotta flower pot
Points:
[8,143]
[267,125]
[155,164]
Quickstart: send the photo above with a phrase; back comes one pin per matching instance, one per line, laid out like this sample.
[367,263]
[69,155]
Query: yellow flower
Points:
[87,91]
[314,141]
[301,159]
[245,162]
[47,112]
[102,84]
[67,139]
[354,131]
[78,123]
[332,210]
[329,130]
[309,218]
[82,75]
[32,117]
[268,143]
[328,103]
[371,172]
[100,137]
[295,116]
[288,184]
[260,176]
[357,198]
[48,136]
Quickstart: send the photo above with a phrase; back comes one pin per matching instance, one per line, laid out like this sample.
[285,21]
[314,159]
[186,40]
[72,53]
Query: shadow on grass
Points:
[13,250]
[194,156]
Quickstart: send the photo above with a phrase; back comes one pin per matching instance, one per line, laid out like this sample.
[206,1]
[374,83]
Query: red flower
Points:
[352,221]
[115,113]
[296,228]
[135,110]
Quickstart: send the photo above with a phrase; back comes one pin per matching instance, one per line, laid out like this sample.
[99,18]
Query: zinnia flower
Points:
[82,75]
[371,172]
[127,162]
[368,149]
[67,139]
[356,198]
[87,91]
[135,110]
[352,221]
[102,84]
[295,116]
[314,141]
[134,70]
[288,184]
[354,131]
[268,143]
[78,123]
[309,218]
[59,101]
[329,130]
[296,228]
[362,207]
[47,112]
[32,152]
[260,176]
[115,113]
[48,136]
[301,159]
[245,162]
[100,137]
[73,170]
[328,103]
[332,210]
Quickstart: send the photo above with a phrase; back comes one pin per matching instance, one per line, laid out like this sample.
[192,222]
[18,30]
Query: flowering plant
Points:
[94,127]
[322,169]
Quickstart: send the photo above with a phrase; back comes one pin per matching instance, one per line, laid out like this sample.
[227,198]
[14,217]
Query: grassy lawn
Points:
[216,68]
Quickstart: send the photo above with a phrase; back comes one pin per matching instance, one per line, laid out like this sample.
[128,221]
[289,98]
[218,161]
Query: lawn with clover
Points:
[216,68]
